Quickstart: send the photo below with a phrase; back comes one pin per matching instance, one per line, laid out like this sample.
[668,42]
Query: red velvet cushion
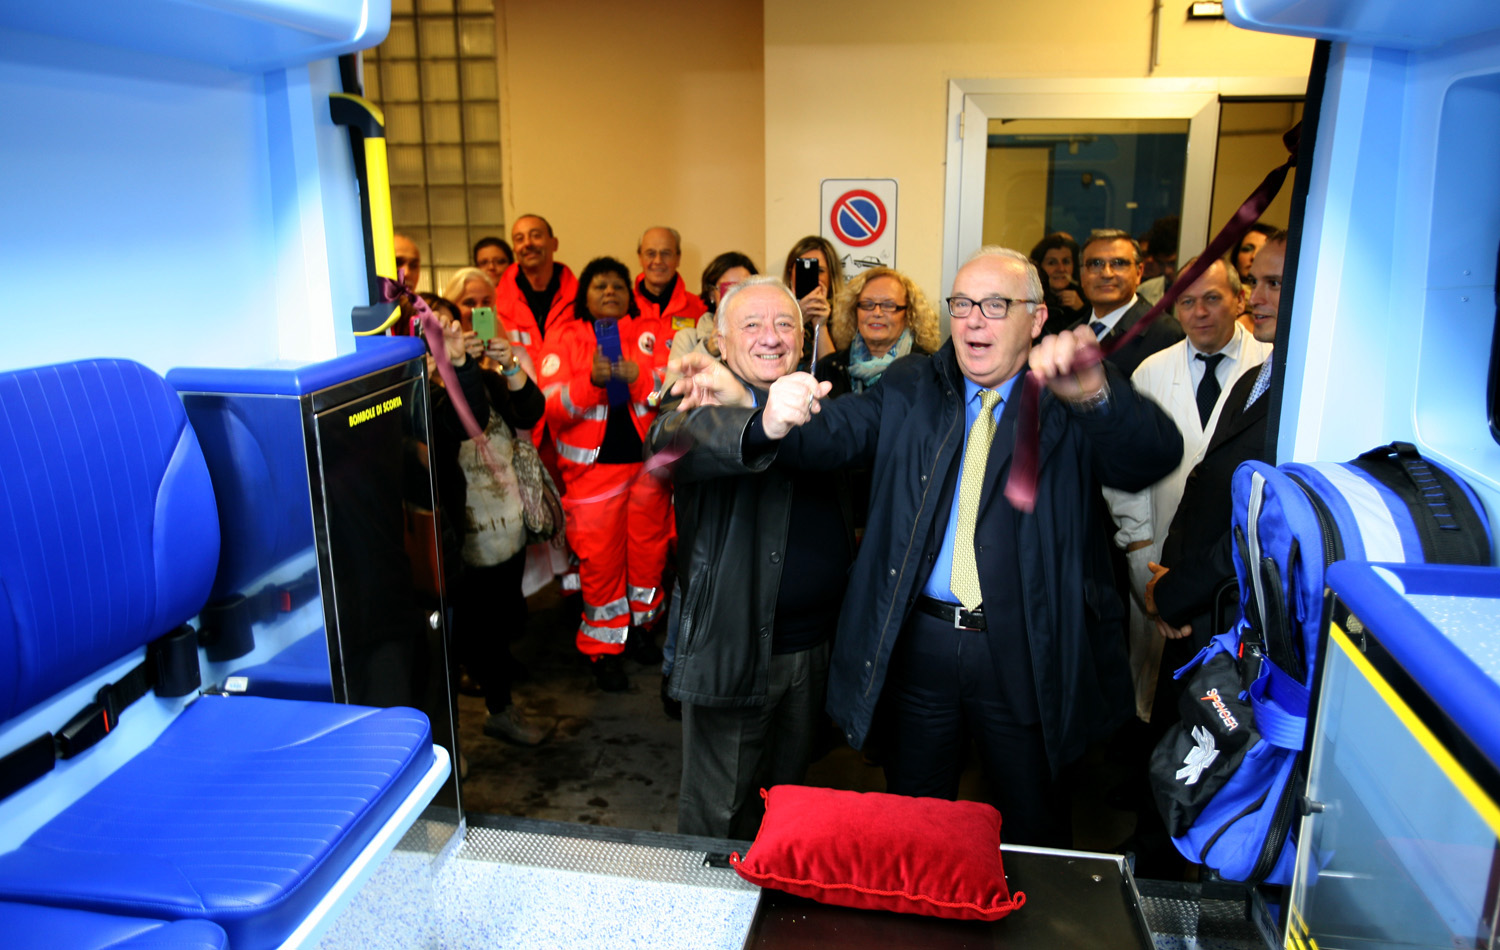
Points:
[881,852]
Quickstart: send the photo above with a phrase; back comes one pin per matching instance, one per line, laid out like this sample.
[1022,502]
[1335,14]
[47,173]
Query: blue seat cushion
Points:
[31,927]
[298,672]
[245,811]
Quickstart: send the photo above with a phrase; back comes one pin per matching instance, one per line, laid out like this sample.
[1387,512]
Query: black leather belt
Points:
[952,613]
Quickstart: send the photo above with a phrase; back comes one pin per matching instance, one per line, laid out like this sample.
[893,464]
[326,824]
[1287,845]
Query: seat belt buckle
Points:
[91,724]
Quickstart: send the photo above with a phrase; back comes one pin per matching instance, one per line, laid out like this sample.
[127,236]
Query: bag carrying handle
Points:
[1451,531]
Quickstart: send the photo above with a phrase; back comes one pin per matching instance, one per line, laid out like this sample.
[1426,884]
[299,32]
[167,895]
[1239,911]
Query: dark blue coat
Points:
[910,431]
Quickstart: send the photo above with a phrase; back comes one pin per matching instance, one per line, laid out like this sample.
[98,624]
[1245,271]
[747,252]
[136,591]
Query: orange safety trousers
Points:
[619,525]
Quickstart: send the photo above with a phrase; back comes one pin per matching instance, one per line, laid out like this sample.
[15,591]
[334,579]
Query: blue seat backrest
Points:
[108,533]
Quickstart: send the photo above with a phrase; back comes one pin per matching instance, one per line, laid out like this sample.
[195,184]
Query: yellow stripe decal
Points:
[1478,800]
[378,177]
[1294,931]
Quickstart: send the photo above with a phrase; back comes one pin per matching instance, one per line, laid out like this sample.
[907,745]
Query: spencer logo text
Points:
[1223,710]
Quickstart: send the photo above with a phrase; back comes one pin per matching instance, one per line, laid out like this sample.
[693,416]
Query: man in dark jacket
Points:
[1196,557]
[966,618]
[764,558]
[1111,273]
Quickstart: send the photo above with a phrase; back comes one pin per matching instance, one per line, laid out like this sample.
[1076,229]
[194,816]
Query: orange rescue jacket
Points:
[577,410]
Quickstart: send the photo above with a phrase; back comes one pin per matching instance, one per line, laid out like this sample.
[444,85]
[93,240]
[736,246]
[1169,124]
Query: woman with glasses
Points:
[879,317]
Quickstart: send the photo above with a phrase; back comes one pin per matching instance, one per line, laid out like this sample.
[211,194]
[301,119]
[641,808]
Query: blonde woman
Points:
[879,317]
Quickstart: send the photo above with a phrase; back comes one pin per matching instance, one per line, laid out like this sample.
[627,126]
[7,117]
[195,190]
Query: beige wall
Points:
[616,116]
[1249,146]
[859,89]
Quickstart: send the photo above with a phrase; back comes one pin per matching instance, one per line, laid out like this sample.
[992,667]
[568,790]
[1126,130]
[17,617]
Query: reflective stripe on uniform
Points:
[643,618]
[606,612]
[575,454]
[572,582]
[641,595]
[603,634]
[593,412]
[520,336]
[640,408]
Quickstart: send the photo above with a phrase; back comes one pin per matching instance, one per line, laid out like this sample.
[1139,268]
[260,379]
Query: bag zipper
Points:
[1333,542]
[1281,826]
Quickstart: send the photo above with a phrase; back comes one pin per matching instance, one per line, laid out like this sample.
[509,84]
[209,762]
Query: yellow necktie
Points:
[965,580]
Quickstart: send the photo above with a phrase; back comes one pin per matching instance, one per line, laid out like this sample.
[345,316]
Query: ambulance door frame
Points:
[972,103]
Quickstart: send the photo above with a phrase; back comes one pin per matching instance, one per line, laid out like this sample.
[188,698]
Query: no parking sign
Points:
[859,220]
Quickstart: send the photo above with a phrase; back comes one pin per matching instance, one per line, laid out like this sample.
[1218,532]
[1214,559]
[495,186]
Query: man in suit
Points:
[1197,555]
[1190,380]
[965,618]
[1112,269]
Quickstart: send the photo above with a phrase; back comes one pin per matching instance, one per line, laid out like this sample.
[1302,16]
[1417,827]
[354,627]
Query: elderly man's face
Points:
[409,257]
[1265,290]
[1207,310]
[991,351]
[1110,274]
[660,257]
[763,335]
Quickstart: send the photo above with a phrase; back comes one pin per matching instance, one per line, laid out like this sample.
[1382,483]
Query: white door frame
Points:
[973,102]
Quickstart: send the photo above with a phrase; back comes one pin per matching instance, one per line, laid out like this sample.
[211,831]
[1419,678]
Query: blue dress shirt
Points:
[937,586]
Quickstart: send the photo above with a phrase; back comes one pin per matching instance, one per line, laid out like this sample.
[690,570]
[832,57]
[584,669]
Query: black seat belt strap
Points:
[171,668]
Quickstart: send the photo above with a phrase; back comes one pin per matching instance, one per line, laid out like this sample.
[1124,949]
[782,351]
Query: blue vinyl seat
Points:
[245,810]
[29,927]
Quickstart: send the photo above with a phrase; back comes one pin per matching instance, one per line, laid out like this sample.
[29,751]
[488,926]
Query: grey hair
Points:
[721,316]
[676,237]
[461,277]
[1230,274]
[1028,268]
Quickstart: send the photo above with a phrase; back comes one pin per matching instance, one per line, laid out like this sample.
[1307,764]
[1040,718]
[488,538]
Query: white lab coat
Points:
[1166,378]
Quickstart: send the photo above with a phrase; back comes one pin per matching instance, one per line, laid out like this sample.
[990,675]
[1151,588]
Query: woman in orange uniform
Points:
[597,370]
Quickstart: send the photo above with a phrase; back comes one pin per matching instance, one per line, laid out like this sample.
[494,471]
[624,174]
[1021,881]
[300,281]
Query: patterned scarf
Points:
[865,370]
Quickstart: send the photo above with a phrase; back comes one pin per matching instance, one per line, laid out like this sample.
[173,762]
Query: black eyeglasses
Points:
[1095,265]
[993,308]
[886,307]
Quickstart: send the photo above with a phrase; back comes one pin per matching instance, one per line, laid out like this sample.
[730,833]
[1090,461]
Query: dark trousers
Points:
[488,609]
[730,753]
[941,693]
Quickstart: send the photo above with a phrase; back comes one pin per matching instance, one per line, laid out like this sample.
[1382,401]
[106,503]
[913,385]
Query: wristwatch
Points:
[1098,400]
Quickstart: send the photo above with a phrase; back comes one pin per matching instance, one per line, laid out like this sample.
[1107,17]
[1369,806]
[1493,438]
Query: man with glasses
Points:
[965,618]
[1110,274]
[660,291]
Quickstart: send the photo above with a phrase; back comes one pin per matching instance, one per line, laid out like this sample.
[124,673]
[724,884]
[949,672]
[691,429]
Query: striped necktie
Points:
[965,579]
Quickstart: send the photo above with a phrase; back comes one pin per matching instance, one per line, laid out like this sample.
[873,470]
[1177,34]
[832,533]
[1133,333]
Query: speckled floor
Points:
[501,888]
[616,759]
